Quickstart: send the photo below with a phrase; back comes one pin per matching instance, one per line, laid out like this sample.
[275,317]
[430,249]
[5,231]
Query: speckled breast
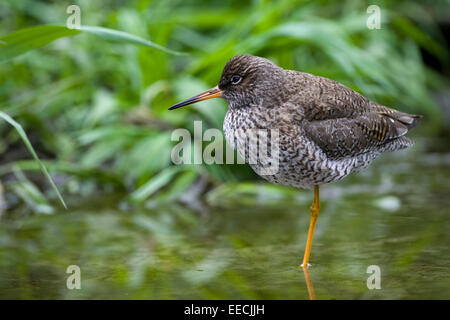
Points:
[292,159]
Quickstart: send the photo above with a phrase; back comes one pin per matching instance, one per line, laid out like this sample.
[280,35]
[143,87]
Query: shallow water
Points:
[247,245]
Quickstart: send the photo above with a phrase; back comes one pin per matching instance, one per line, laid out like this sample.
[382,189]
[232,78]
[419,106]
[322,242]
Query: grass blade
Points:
[24,40]
[121,36]
[154,184]
[24,137]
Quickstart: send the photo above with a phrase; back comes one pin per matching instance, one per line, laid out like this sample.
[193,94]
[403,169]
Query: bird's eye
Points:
[235,79]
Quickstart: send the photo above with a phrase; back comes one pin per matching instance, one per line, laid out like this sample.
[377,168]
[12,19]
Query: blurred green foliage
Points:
[96,110]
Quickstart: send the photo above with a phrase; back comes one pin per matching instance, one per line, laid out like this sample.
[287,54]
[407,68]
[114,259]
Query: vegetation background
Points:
[95,110]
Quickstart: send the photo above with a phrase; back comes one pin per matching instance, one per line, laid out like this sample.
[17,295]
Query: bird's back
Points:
[342,122]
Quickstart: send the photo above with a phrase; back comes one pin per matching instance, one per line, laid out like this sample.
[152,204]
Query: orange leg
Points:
[309,284]
[314,211]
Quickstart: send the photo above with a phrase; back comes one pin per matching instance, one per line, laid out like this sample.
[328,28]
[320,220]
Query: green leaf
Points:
[24,40]
[154,184]
[31,195]
[121,36]
[24,137]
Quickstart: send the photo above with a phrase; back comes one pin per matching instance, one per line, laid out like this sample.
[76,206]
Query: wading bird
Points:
[326,130]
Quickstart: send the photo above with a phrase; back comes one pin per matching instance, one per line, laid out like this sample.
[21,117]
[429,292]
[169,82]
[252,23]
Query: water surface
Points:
[246,243]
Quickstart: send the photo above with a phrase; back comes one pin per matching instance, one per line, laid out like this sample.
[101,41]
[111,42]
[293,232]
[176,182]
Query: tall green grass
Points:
[24,137]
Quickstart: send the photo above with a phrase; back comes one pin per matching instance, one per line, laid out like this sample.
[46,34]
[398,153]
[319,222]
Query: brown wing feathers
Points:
[344,123]
[349,136]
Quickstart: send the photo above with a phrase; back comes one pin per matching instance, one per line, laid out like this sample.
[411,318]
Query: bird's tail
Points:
[409,120]
[404,121]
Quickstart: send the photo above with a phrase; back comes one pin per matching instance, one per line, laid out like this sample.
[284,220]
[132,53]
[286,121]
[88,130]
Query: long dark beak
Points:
[208,94]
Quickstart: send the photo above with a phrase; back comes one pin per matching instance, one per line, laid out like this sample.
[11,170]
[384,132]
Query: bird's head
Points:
[245,80]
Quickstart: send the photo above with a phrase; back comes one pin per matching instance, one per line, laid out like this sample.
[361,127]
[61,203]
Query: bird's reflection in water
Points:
[309,284]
